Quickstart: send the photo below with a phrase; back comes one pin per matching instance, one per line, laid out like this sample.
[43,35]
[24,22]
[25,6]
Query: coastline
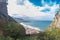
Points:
[30,30]
[28,26]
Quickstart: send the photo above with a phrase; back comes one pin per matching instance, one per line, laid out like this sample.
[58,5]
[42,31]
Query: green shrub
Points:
[53,34]
[14,30]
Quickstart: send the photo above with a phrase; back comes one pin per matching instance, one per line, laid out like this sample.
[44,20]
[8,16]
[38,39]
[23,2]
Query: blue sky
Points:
[35,9]
[48,2]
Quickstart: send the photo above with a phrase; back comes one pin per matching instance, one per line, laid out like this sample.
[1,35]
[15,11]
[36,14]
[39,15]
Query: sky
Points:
[36,9]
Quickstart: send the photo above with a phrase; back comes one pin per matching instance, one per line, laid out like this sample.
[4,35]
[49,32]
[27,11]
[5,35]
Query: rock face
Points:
[56,21]
[4,17]
[31,31]
[3,8]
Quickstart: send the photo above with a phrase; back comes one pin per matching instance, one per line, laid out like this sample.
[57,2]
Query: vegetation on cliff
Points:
[14,30]
[53,34]
[10,28]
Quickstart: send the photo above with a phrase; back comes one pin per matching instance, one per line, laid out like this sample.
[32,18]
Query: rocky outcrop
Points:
[3,13]
[4,17]
[3,8]
[56,21]
[32,31]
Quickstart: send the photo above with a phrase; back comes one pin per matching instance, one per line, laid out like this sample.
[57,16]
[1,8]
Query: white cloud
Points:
[29,9]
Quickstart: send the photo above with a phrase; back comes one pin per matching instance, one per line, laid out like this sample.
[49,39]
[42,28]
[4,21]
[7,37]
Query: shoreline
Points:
[28,26]
[30,30]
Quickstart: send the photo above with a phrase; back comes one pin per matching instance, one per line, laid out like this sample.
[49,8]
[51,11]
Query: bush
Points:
[14,30]
[53,34]
[43,36]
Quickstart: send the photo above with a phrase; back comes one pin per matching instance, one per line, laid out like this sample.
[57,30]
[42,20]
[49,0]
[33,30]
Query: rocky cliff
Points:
[3,8]
[3,14]
[56,21]
[4,17]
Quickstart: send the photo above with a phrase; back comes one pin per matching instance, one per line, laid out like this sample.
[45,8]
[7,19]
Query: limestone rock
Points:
[56,21]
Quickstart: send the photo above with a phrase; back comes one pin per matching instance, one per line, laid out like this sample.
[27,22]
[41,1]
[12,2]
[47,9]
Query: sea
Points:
[42,25]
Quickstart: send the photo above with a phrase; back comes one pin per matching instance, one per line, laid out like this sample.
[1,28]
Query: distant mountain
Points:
[22,19]
[27,19]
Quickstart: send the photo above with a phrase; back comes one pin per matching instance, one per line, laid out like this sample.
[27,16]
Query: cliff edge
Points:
[56,21]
